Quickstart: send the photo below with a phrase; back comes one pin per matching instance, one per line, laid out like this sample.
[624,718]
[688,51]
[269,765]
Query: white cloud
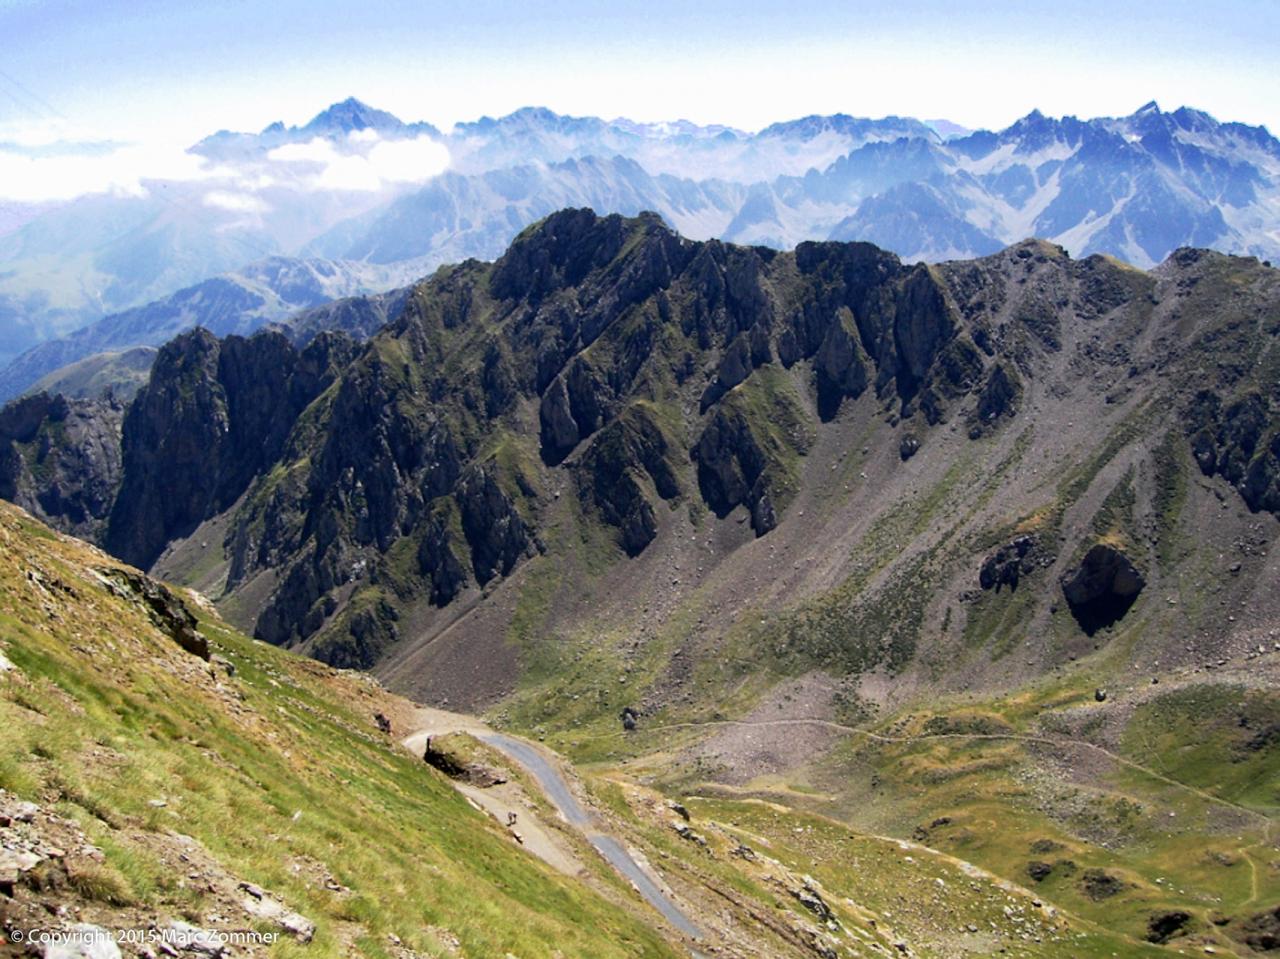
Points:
[235,202]
[51,175]
[409,161]
[318,150]
[369,164]
[45,162]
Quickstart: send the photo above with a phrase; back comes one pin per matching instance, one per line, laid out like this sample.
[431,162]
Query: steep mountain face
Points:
[242,302]
[214,415]
[60,460]
[813,454]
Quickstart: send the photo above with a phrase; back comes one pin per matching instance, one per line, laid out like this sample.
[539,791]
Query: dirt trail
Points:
[1014,737]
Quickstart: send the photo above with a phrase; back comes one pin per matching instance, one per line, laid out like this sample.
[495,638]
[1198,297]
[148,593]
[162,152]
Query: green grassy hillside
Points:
[274,768]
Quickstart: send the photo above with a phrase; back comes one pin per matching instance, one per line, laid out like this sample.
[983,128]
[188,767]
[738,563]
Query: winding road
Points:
[557,790]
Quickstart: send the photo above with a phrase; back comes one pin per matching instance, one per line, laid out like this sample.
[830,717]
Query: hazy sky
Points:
[147,69]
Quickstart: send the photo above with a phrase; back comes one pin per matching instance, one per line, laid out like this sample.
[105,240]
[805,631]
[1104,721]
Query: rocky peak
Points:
[350,115]
[606,372]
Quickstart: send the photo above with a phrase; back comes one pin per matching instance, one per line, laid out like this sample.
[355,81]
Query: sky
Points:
[160,75]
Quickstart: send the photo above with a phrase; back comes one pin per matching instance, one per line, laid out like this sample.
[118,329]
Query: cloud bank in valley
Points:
[36,171]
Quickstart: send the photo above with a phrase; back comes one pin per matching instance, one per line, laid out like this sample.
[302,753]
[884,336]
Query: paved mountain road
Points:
[434,722]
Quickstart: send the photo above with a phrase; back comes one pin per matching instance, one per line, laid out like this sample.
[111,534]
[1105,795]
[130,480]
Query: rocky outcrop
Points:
[1102,588]
[214,415]
[166,611]
[60,460]
[997,401]
[924,323]
[437,559]
[629,454]
[840,365]
[575,405]
[733,469]
[1239,441]
[1007,565]
[735,366]
[1260,932]
[497,534]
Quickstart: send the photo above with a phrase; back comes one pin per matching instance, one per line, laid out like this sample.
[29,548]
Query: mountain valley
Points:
[939,597]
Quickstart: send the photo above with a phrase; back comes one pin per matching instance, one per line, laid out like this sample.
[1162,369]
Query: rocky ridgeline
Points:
[602,355]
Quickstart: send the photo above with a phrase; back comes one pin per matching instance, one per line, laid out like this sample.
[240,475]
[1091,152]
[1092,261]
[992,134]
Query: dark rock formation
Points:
[735,366]
[495,530]
[1007,565]
[436,557]
[731,470]
[1239,441]
[1039,870]
[613,472]
[1098,884]
[214,415]
[840,366]
[909,446]
[1260,932]
[166,611]
[60,460]
[1102,588]
[1164,926]
[998,399]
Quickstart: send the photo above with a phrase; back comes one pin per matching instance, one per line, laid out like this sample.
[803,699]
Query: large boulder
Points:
[1102,588]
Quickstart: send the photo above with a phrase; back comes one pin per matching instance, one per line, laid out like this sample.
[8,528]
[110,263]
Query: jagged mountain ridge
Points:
[610,402]
[1135,187]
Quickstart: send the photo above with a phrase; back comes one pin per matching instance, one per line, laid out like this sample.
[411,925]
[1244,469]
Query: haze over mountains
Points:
[358,184]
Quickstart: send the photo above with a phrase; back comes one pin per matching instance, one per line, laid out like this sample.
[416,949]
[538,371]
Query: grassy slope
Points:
[276,766]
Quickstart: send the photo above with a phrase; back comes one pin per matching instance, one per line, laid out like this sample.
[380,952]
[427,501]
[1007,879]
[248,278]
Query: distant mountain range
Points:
[1135,187]
[240,302]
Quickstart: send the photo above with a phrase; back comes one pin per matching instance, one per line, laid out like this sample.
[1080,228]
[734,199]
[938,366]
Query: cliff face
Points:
[60,460]
[600,324]
[607,389]
[214,415]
